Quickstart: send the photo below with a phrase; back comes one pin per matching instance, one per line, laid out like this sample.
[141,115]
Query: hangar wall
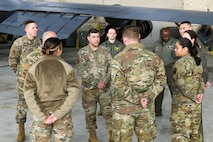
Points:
[200,5]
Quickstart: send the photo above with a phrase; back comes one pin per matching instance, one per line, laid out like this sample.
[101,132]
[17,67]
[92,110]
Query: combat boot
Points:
[21,133]
[110,136]
[93,137]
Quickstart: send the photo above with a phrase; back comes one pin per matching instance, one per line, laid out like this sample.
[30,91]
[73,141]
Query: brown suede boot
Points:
[110,136]
[21,133]
[93,137]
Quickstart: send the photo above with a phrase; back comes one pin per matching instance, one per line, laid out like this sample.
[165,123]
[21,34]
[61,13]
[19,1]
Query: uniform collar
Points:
[136,45]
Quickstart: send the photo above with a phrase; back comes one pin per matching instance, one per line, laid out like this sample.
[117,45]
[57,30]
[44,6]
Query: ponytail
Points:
[185,42]
[195,54]
[51,45]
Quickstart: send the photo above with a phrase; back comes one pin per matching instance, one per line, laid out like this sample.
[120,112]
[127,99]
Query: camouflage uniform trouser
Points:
[185,122]
[142,123]
[21,110]
[62,129]
[90,98]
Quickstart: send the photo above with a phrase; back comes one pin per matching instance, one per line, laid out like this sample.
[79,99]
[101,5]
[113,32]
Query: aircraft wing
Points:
[65,18]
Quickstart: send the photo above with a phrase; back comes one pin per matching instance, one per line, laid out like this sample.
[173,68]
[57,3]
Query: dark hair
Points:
[192,34]
[28,22]
[185,22]
[51,45]
[92,30]
[110,27]
[185,42]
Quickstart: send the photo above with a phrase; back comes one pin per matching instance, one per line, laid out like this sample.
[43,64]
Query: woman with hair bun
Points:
[51,90]
[188,90]
[192,36]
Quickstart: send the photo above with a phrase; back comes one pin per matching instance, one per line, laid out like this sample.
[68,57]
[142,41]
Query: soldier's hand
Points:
[199,98]
[101,85]
[51,119]
[208,84]
[144,102]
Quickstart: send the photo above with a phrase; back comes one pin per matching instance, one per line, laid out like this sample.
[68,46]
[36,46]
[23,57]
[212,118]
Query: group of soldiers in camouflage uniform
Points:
[188,90]
[124,81]
[25,52]
[190,77]
[136,75]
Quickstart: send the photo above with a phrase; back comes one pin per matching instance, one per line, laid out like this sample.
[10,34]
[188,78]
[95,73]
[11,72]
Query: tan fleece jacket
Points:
[51,86]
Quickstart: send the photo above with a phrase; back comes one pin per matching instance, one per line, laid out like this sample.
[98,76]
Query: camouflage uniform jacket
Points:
[187,80]
[93,66]
[19,50]
[135,73]
[114,48]
[51,86]
[166,51]
[30,59]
